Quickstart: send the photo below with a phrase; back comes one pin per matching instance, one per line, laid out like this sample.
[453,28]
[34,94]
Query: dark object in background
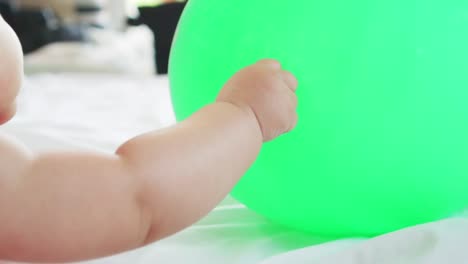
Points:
[6,9]
[88,14]
[162,20]
[38,27]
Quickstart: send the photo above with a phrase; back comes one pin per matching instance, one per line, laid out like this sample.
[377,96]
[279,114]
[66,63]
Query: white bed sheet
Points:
[99,112]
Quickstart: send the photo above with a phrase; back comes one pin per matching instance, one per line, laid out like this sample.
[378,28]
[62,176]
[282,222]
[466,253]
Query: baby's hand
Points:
[268,92]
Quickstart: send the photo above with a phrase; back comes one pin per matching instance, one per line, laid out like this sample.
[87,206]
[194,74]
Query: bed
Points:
[77,111]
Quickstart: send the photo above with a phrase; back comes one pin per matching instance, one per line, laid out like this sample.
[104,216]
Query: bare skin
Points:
[59,207]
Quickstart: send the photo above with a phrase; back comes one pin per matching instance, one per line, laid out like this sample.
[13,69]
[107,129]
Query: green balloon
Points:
[382,138]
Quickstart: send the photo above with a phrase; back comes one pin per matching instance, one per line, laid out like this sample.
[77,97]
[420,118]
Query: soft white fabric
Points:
[71,111]
[101,111]
[436,243]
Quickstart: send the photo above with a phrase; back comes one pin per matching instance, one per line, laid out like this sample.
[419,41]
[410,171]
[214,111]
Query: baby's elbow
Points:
[129,152]
[122,151]
[152,221]
[147,198]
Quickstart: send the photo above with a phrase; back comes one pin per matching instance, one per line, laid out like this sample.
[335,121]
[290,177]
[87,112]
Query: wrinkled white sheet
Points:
[99,112]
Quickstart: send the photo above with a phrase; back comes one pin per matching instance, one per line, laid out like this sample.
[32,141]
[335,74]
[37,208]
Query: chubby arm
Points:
[72,206]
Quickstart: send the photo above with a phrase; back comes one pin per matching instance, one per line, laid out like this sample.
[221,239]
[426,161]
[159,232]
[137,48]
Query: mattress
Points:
[100,111]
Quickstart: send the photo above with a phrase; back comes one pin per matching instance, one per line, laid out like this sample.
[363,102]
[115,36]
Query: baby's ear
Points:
[7,114]
[11,67]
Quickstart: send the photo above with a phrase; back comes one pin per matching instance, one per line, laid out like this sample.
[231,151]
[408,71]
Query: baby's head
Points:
[11,71]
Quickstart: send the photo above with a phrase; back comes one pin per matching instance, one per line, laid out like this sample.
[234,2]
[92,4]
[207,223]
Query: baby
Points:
[71,206]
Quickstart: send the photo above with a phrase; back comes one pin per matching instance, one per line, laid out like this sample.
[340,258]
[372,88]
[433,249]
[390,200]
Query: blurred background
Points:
[94,36]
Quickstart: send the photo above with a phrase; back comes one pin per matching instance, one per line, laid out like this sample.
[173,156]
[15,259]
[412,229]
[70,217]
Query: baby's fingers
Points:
[290,80]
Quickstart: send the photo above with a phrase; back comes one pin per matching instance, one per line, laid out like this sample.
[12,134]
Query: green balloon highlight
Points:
[382,138]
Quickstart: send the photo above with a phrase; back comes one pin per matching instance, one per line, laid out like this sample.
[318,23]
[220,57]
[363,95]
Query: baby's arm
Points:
[63,206]
[72,206]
